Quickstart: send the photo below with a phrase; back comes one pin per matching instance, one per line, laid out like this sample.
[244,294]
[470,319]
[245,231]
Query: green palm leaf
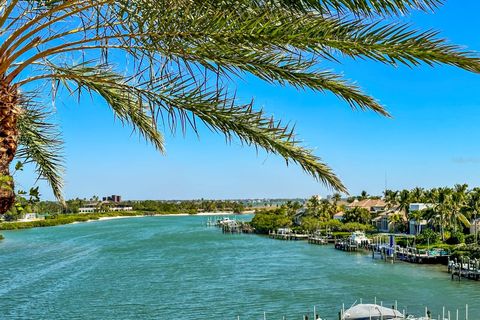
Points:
[41,144]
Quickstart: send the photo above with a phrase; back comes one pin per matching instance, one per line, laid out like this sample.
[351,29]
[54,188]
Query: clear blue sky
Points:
[431,141]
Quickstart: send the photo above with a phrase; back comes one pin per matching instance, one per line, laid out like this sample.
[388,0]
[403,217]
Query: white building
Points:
[121,208]
[419,206]
[86,209]
[30,217]
[416,227]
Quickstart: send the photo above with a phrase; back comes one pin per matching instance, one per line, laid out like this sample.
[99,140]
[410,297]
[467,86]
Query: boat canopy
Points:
[371,312]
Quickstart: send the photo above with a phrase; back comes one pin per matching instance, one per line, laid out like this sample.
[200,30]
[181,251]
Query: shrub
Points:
[63,219]
[470,239]
[270,220]
[354,226]
[456,238]
[428,236]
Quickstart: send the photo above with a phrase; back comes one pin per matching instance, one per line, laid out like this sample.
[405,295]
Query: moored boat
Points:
[359,238]
[371,312]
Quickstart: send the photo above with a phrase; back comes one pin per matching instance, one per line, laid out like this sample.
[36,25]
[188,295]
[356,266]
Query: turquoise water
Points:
[176,268]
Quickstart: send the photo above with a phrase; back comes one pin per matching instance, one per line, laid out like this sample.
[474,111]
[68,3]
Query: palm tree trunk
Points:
[9,99]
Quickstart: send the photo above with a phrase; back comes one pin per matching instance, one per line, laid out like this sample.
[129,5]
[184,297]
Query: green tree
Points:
[182,56]
[363,195]
[416,215]
[458,204]
[404,201]
[391,198]
[265,221]
[417,195]
[357,214]
[396,219]
[313,206]
[336,197]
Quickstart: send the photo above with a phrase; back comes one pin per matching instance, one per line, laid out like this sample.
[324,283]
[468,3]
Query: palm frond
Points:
[360,7]
[41,144]
[127,105]
[180,97]
[330,7]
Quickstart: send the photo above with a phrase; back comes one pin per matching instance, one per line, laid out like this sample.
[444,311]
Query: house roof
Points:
[339,214]
[367,203]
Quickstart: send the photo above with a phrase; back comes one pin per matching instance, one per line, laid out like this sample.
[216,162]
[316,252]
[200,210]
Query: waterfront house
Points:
[31,216]
[417,206]
[383,222]
[104,206]
[372,205]
[89,208]
[416,227]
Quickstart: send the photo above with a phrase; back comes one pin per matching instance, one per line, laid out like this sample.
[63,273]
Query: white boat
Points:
[371,312]
[358,237]
[225,221]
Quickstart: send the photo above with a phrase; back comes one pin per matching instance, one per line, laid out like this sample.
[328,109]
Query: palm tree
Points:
[474,207]
[417,194]
[443,209]
[404,201]
[174,60]
[391,198]
[336,197]
[417,217]
[363,195]
[313,206]
[395,219]
[458,203]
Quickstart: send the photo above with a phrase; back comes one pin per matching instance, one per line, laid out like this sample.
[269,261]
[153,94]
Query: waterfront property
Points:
[372,205]
[32,216]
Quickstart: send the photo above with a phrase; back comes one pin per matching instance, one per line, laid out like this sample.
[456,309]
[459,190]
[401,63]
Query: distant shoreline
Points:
[78,218]
[203,214]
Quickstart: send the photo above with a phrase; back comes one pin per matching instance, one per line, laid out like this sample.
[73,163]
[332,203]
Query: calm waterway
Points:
[176,268]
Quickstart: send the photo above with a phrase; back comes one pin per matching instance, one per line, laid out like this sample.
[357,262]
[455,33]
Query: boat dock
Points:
[318,240]
[465,268]
[288,236]
[346,246]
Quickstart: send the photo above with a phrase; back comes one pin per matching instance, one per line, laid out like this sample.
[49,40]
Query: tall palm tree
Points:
[395,220]
[404,201]
[474,207]
[391,198]
[336,197]
[458,203]
[443,209]
[313,206]
[167,64]
[417,194]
